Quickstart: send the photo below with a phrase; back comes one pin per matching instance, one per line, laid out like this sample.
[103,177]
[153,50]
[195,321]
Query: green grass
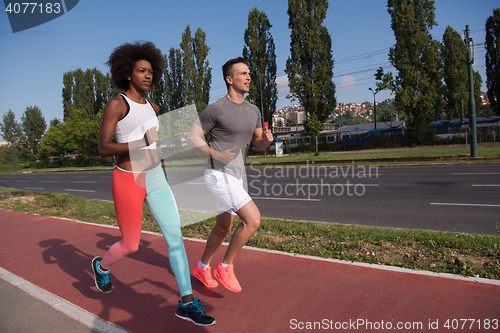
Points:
[486,153]
[468,255]
[8,169]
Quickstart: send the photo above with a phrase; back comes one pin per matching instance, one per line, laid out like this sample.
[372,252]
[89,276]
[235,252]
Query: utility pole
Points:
[472,104]
[262,108]
[14,153]
[462,114]
[374,107]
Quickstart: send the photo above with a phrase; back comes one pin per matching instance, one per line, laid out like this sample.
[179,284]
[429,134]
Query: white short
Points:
[228,190]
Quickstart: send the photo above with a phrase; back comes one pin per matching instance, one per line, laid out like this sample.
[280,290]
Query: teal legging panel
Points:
[161,203]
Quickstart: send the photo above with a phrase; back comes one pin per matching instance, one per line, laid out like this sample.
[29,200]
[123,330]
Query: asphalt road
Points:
[444,198]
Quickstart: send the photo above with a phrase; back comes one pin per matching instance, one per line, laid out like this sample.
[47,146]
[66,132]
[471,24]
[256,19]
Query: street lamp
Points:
[374,107]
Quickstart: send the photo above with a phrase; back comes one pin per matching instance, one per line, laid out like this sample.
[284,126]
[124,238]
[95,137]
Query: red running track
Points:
[281,292]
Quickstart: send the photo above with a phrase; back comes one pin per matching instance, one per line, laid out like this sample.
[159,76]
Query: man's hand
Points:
[267,137]
[226,156]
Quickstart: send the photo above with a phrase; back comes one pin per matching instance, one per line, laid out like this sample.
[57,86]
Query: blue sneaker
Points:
[102,281]
[192,312]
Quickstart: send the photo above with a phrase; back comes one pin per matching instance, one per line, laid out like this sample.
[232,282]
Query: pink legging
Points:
[130,191]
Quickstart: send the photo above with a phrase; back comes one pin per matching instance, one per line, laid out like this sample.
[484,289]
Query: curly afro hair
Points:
[124,57]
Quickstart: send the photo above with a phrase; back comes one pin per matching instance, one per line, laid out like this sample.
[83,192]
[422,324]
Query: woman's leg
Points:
[129,201]
[162,205]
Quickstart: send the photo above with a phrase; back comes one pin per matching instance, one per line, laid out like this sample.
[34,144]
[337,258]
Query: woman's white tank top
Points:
[138,119]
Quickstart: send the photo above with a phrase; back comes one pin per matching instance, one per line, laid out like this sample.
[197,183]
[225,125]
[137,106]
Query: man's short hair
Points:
[227,67]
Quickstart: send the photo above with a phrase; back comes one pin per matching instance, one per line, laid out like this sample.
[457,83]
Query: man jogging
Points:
[232,123]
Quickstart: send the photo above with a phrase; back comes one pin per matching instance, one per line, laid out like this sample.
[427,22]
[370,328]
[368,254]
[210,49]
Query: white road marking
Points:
[286,199]
[73,190]
[462,204]
[476,173]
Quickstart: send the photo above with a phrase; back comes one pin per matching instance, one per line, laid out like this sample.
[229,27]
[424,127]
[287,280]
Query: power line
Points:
[363,69]
[360,56]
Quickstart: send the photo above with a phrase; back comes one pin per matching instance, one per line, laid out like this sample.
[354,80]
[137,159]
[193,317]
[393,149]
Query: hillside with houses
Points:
[296,115]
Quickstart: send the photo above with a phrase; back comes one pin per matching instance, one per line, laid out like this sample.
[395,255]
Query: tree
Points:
[11,131]
[259,52]
[173,89]
[168,93]
[54,122]
[89,90]
[79,132]
[55,142]
[5,155]
[83,132]
[156,93]
[416,57]
[349,118]
[455,74]
[197,75]
[385,111]
[291,121]
[314,127]
[310,65]
[492,45]
[478,82]
[33,125]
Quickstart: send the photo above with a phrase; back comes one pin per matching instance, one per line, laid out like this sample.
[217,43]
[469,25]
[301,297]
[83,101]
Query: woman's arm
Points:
[114,111]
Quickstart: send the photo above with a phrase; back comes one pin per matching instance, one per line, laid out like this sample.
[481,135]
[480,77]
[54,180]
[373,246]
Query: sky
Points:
[33,61]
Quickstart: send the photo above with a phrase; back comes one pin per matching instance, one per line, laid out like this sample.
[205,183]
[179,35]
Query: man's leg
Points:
[250,221]
[228,191]
[219,232]
[224,272]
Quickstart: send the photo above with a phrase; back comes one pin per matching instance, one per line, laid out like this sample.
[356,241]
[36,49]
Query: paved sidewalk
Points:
[50,259]
[28,308]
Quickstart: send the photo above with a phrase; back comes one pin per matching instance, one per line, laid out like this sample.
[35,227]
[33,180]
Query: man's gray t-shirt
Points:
[230,124]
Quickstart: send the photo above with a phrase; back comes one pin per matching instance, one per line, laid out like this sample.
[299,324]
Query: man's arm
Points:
[195,141]
[262,138]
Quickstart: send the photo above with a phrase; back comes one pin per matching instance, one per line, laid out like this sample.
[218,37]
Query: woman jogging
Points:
[138,176]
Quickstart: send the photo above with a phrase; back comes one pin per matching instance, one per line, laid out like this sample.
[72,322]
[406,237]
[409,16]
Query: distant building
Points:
[288,129]
[4,143]
[330,127]
[300,116]
[297,112]
[278,121]
[484,98]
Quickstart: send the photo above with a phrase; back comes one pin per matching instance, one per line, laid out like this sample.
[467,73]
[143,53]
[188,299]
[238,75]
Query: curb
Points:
[60,304]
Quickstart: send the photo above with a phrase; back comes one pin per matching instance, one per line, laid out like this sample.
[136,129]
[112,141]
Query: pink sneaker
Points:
[227,278]
[205,276]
